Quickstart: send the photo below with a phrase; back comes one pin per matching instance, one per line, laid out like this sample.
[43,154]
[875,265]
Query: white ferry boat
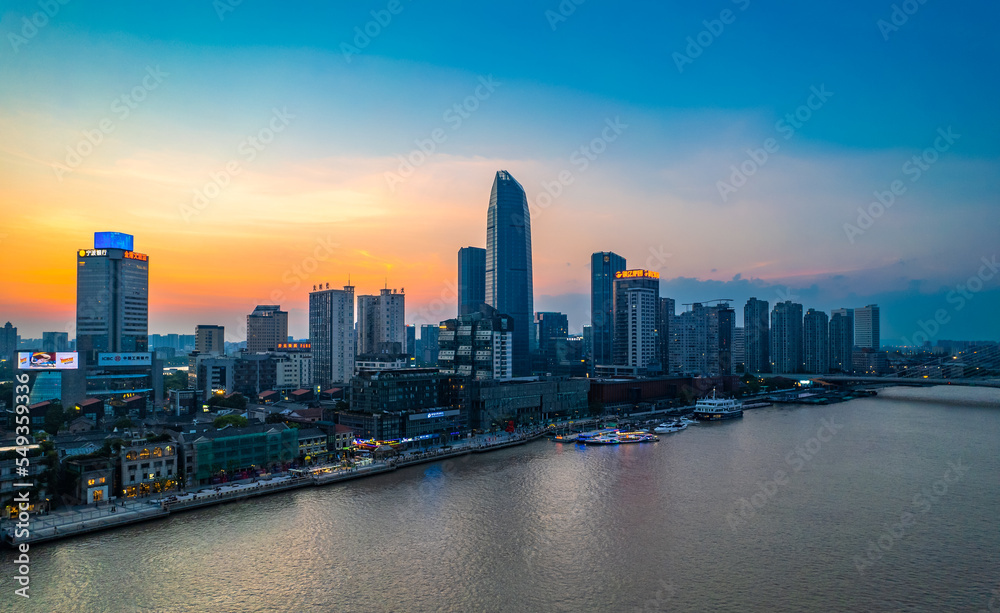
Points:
[714,408]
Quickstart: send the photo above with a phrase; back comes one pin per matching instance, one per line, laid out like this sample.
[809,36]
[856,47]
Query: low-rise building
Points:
[94,478]
[147,467]
[313,445]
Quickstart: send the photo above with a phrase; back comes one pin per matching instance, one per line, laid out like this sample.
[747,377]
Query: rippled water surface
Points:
[880,504]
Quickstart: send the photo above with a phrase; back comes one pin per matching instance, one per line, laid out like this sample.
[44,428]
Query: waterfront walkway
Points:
[85,519]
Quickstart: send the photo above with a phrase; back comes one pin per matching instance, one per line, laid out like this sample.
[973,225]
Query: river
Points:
[878,504]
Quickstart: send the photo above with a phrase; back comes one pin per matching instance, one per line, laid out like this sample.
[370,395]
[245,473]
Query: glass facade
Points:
[471,279]
[603,266]
[508,263]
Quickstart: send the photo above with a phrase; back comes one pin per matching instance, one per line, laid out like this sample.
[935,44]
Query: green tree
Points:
[234,401]
[175,381]
[123,422]
[230,420]
[54,418]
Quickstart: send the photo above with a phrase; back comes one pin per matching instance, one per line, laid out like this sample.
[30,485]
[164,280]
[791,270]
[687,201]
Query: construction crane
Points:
[708,301]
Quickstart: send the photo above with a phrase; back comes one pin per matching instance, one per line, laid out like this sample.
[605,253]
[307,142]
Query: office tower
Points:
[588,343]
[112,297]
[842,340]
[331,335]
[381,327]
[816,342]
[471,279]
[267,327]
[477,345]
[55,341]
[8,341]
[550,333]
[739,350]
[786,337]
[637,301]
[411,341]
[603,267]
[725,320]
[664,321]
[508,262]
[866,327]
[210,340]
[429,344]
[756,331]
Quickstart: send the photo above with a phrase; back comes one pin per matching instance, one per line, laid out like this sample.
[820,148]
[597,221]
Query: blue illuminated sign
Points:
[435,414]
[112,240]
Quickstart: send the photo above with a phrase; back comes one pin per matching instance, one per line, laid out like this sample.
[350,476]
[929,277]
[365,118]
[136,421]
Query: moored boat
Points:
[715,408]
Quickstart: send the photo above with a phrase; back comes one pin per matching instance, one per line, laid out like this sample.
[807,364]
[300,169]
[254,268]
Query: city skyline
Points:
[342,189]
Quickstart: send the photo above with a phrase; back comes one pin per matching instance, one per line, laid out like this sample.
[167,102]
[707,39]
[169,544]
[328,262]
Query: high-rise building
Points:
[842,340]
[701,340]
[429,344]
[267,327]
[112,297]
[725,319]
[411,341]
[603,267]
[756,331]
[210,340]
[477,345]
[786,337]
[637,302]
[739,350]
[112,327]
[508,262]
[666,311]
[55,341]
[866,327]
[550,333]
[381,323]
[331,335]
[816,342]
[8,341]
[471,279]
[588,343]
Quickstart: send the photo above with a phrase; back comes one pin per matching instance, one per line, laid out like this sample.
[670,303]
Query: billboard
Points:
[48,360]
[112,240]
[142,358]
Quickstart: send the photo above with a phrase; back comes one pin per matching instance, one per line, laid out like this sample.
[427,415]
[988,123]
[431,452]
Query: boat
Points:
[612,436]
[666,428]
[715,408]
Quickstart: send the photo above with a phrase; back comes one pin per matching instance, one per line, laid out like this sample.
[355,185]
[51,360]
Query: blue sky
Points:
[562,76]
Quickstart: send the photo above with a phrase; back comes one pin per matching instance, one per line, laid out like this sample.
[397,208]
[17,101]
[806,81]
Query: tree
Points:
[123,422]
[230,420]
[175,381]
[53,418]
[234,401]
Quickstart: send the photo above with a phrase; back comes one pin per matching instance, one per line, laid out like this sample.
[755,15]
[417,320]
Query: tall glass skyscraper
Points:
[471,279]
[508,263]
[112,297]
[603,266]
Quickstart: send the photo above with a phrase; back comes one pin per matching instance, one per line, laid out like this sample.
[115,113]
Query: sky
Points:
[835,154]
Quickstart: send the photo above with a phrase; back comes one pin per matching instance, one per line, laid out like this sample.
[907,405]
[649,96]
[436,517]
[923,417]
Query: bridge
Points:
[975,367]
